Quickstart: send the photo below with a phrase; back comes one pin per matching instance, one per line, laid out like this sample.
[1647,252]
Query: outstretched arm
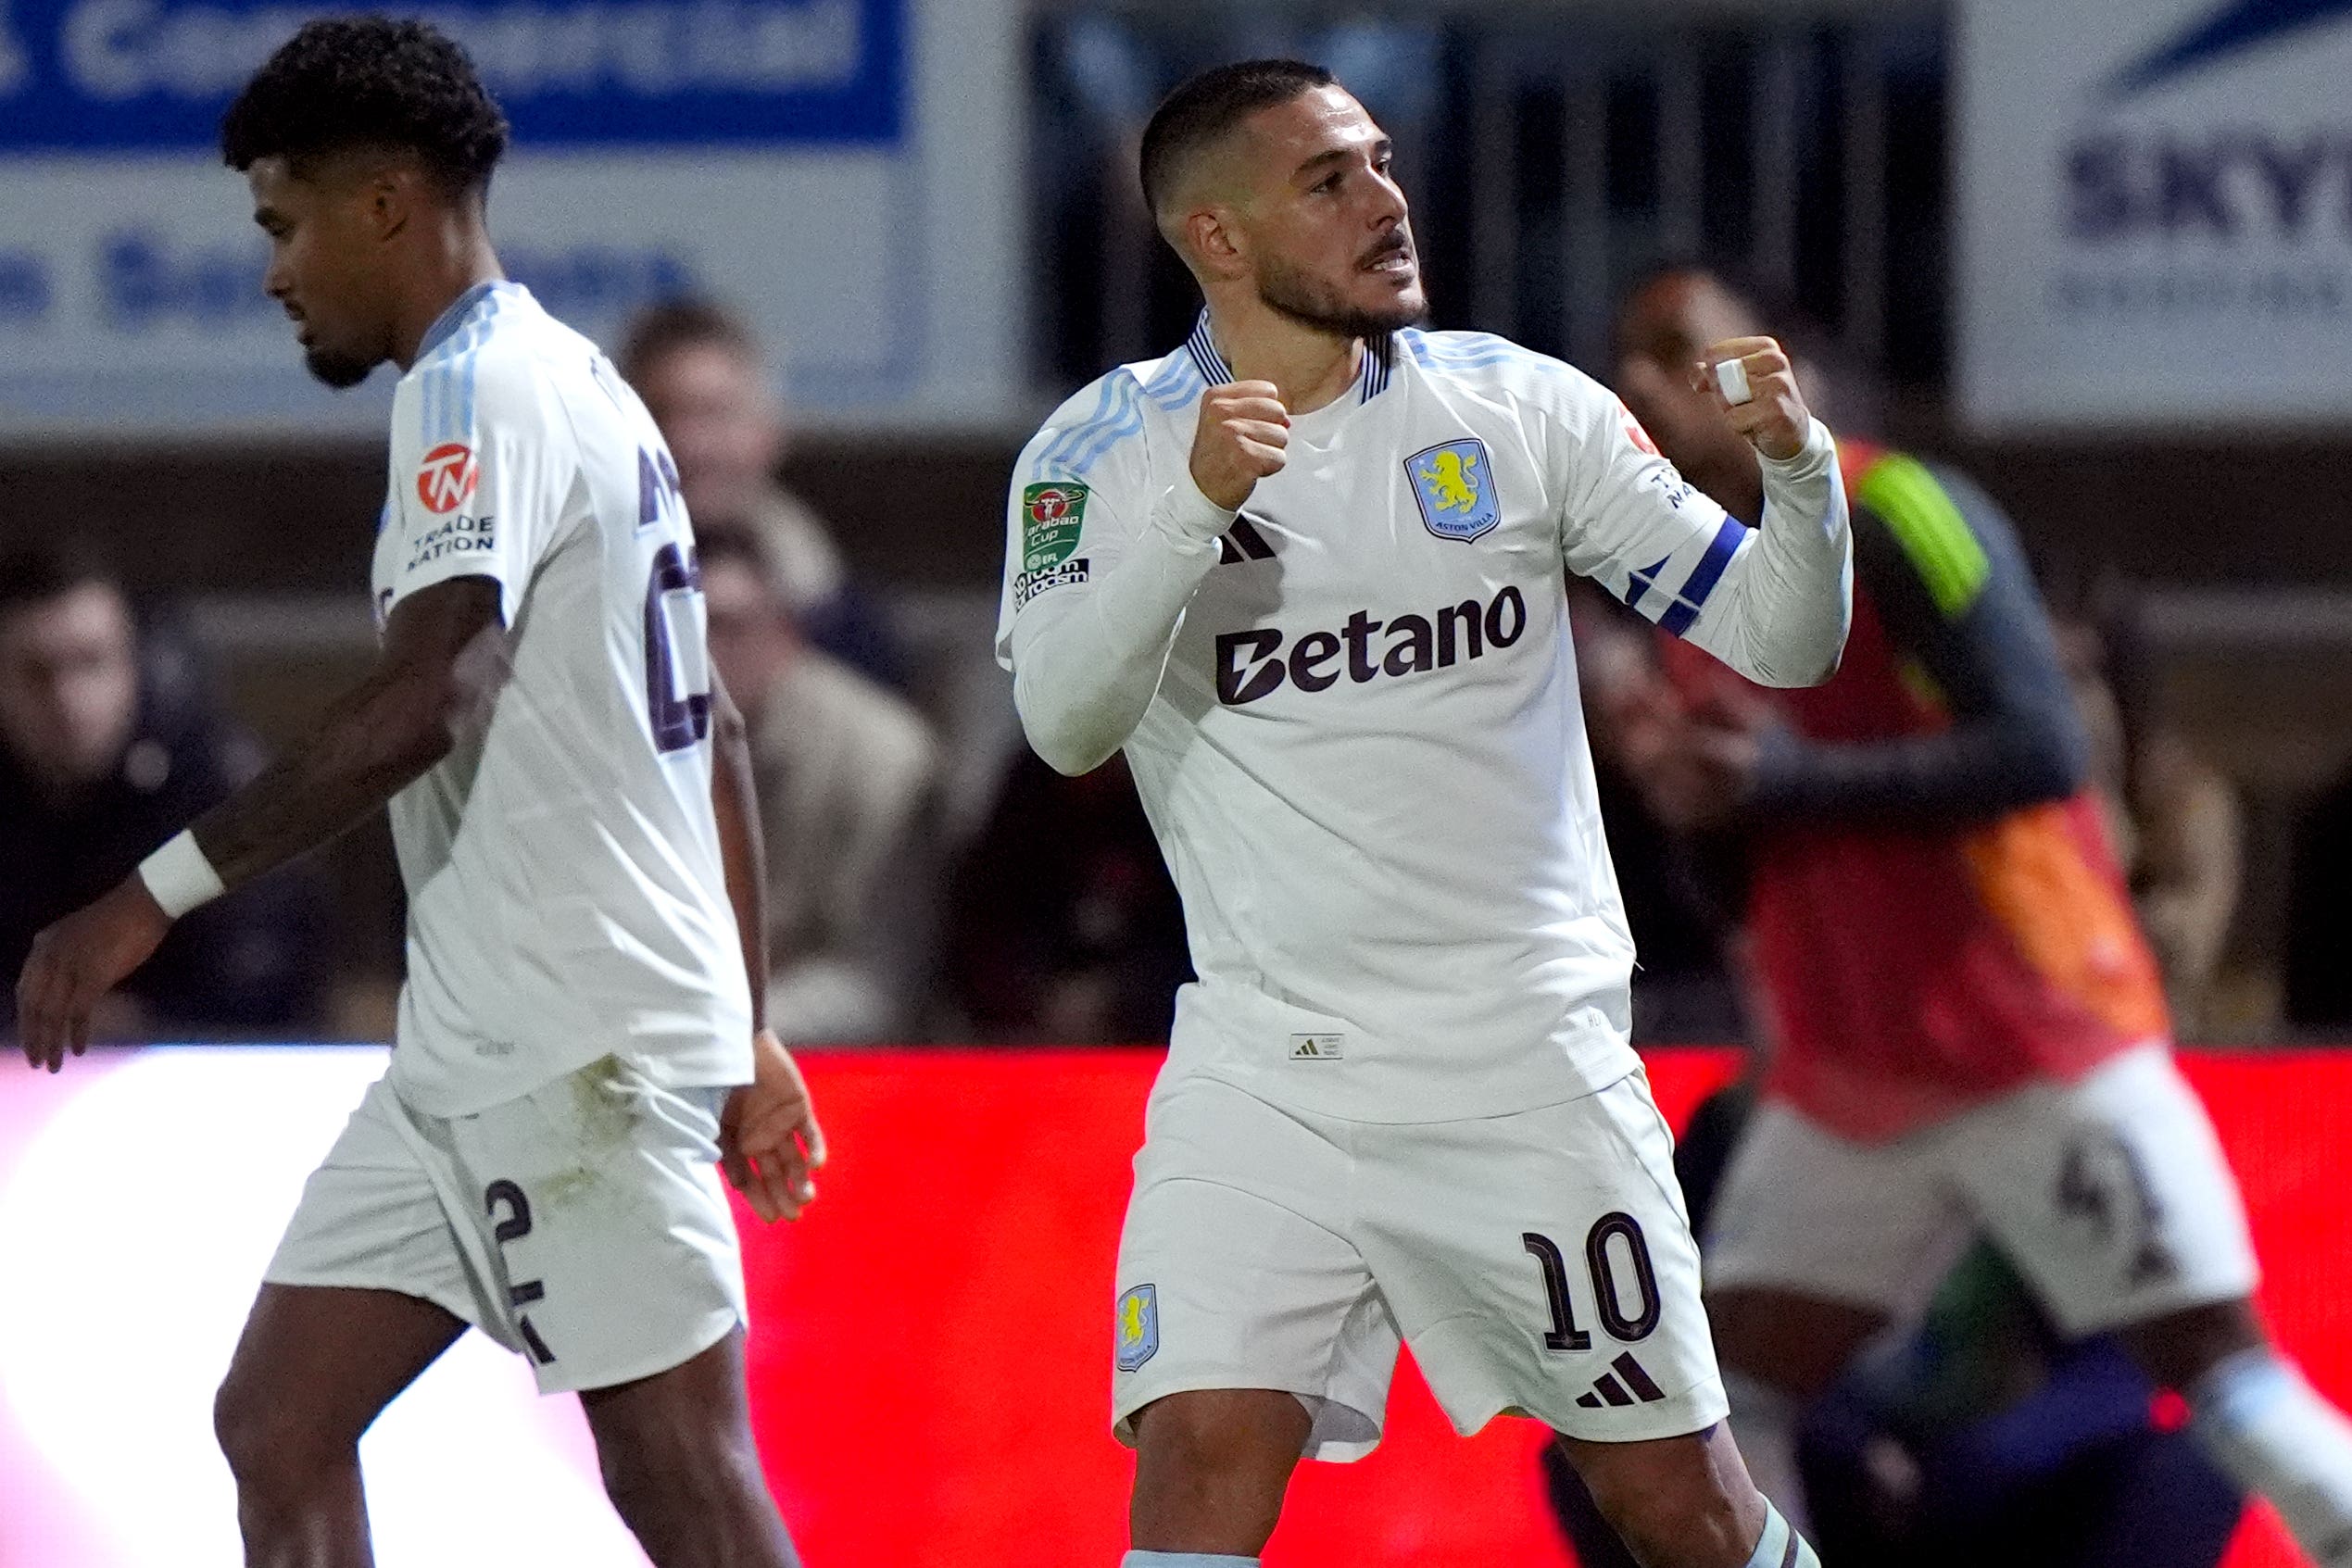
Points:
[735,799]
[444,658]
[770,1144]
[1953,591]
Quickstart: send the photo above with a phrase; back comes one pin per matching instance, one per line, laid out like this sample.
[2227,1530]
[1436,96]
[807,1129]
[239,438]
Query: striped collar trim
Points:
[1380,363]
[1379,360]
[1205,357]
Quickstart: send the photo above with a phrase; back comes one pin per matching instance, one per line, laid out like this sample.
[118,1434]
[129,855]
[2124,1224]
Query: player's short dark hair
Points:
[662,329]
[346,83]
[36,571]
[1204,107]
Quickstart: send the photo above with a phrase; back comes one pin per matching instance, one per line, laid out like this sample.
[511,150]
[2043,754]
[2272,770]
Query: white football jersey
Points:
[1366,758]
[566,895]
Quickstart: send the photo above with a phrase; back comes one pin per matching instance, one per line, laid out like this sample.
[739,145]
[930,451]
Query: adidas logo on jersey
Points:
[1637,1386]
[1242,542]
[1253,664]
[1319,1047]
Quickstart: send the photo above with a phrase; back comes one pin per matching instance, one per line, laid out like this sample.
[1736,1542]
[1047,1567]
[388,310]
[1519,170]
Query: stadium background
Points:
[2099,253]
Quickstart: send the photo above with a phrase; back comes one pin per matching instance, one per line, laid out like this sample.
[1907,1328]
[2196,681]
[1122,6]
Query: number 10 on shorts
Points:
[1599,1260]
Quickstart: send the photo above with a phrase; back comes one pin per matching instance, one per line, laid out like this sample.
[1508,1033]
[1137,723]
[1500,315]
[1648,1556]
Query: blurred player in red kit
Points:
[1969,1031]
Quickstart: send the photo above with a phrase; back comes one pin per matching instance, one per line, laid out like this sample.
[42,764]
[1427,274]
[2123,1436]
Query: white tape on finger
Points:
[1732,378]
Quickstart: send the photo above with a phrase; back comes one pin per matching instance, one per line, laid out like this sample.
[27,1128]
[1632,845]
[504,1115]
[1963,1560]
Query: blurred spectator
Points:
[2177,829]
[1063,925]
[704,379]
[1981,1438]
[108,745]
[847,776]
[2319,922]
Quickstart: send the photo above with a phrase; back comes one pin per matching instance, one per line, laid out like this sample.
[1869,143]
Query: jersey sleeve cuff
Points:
[1819,450]
[1190,516]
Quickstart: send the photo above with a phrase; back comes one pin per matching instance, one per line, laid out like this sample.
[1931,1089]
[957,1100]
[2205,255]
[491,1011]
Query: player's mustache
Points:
[1397,242]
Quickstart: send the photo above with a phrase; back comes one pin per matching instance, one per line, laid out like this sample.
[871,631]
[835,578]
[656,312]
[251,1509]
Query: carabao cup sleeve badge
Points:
[1454,484]
[1139,1326]
[1051,517]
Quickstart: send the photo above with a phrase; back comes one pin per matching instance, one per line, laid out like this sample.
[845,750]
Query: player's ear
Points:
[1216,241]
[393,191]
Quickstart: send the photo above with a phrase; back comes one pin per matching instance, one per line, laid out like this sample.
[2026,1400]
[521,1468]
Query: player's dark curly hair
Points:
[359,82]
[1205,107]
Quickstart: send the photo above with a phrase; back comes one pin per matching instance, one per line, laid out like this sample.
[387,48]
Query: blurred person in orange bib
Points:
[1968,1030]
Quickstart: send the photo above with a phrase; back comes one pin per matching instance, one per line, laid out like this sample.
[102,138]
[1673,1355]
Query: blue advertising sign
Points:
[2153,228]
[155,75]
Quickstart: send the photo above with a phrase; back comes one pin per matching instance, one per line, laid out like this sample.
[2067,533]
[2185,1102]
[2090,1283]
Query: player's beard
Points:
[337,369]
[1310,302]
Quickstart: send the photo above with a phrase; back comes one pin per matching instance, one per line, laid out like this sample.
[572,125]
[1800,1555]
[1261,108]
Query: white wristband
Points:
[178,877]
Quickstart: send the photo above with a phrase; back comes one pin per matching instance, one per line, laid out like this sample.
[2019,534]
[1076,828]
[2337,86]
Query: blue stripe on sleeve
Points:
[1704,577]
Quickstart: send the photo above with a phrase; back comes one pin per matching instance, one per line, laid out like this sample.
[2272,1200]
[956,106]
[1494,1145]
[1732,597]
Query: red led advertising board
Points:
[931,1351]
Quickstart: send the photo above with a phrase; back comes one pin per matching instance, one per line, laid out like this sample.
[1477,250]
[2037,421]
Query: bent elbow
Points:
[1060,739]
[2051,762]
[1069,755]
[1811,667]
[729,730]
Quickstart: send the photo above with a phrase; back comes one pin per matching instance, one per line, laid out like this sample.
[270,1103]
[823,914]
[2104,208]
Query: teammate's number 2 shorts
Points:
[583,1225]
[1539,1264]
[2111,1195]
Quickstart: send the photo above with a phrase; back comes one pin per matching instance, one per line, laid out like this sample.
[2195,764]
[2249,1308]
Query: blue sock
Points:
[1185,1560]
[1780,1546]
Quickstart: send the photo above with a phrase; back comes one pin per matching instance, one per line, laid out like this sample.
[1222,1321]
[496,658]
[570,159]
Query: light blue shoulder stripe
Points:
[449,384]
[1128,422]
[1177,383]
[1118,414]
[1060,448]
[1478,346]
[1483,352]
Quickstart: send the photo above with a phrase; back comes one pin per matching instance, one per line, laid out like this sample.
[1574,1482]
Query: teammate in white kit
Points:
[579,1039]
[1307,571]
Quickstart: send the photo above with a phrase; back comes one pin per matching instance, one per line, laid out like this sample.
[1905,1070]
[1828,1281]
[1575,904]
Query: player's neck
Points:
[458,259]
[1310,367]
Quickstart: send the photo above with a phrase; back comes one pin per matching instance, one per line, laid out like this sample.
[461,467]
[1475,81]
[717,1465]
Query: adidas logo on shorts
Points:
[1319,1047]
[1609,1391]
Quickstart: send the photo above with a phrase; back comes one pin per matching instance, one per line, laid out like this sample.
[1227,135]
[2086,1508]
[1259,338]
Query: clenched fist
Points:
[1240,440]
[1774,419]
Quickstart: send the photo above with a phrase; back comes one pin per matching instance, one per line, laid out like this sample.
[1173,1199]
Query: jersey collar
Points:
[1379,359]
[445,326]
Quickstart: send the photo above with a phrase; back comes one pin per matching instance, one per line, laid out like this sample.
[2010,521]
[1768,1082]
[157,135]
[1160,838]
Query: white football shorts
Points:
[1539,1263]
[582,1226]
[2111,1197]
